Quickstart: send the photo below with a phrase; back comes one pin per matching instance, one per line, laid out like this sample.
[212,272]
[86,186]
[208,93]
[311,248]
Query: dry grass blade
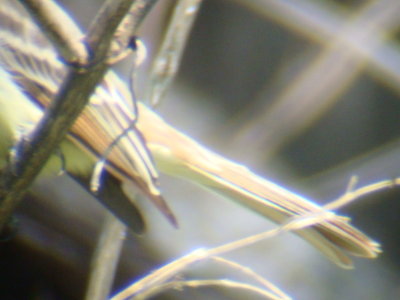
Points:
[354,194]
[156,281]
[252,275]
[162,274]
[195,284]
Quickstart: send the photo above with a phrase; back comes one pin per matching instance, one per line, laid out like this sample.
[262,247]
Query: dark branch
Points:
[120,32]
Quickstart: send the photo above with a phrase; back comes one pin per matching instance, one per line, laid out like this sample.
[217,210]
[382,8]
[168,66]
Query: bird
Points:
[142,144]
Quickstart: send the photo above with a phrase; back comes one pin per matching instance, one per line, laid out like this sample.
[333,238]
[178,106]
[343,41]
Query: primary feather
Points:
[33,65]
[39,73]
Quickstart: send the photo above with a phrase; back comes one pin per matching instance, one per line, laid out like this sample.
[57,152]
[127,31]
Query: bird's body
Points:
[29,79]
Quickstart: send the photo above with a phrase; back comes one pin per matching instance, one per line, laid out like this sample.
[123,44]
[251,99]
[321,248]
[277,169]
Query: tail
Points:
[178,155]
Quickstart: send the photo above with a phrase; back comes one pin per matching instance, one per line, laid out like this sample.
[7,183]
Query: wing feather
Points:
[107,120]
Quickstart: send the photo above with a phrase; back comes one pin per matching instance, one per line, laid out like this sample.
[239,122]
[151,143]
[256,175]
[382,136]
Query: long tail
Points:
[178,155]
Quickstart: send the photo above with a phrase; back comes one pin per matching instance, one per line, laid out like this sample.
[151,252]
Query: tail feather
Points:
[178,155]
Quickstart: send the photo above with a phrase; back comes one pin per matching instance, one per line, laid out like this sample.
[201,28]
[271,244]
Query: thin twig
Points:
[355,194]
[72,97]
[253,275]
[162,274]
[106,24]
[167,61]
[125,34]
[105,258]
[167,272]
[221,283]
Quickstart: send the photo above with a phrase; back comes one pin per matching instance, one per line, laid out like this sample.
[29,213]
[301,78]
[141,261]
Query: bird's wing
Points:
[107,120]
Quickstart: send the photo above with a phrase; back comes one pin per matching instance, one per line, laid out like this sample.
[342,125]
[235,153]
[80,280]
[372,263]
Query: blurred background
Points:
[303,92]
